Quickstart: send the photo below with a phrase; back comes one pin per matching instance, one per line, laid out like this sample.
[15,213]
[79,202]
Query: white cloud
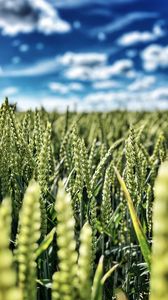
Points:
[49,103]
[160,93]
[9,91]
[124,99]
[121,66]
[102,85]
[156,98]
[65,88]
[155,56]
[92,102]
[134,37]
[76,86]
[73,61]
[79,72]
[131,74]
[58,87]
[87,59]
[103,72]
[25,16]
[141,84]
[14,26]
[130,100]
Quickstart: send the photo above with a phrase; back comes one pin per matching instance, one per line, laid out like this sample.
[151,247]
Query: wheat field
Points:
[84,205]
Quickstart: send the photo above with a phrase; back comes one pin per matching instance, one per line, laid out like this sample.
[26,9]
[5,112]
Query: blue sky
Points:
[90,54]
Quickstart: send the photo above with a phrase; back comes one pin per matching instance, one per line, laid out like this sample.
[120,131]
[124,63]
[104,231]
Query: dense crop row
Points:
[70,229]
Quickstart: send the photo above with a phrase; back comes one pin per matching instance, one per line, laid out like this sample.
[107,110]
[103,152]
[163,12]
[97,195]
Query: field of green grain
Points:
[84,205]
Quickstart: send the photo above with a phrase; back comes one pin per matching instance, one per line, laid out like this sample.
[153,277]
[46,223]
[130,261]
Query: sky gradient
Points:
[91,55]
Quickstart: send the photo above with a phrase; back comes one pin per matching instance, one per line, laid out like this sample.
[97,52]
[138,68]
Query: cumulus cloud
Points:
[76,86]
[121,66]
[160,93]
[58,87]
[25,16]
[155,56]
[61,88]
[107,84]
[134,37]
[82,72]
[102,72]
[87,59]
[141,84]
